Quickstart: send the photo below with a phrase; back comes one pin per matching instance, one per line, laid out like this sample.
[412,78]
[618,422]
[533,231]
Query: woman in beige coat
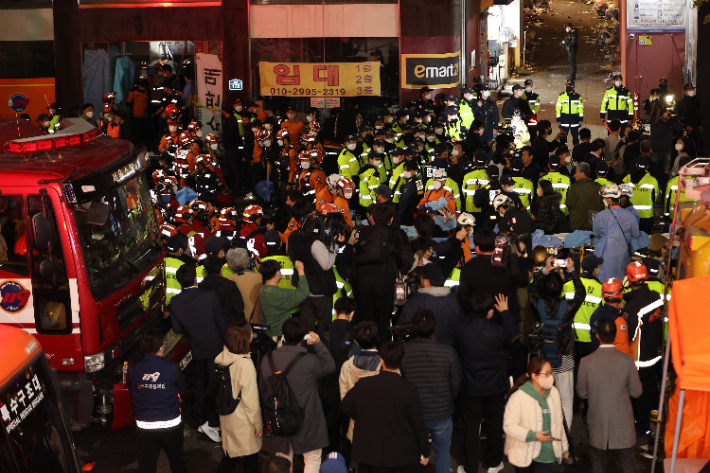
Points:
[242,429]
[535,437]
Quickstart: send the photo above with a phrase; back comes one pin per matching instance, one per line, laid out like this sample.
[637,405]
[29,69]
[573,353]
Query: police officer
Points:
[592,301]
[645,322]
[533,100]
[475,180]
[370,179]
[602,173]
[425,101]
[466,111]
[524,187]
[516,102]
[645,192]
[485,196]
[570,112]
[272,242]
[559,181]
[570,44]
[618,104]
[173,262]
[672,188]
[348,164]
[157,386]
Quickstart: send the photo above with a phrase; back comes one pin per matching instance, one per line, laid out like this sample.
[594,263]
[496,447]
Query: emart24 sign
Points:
[438,71]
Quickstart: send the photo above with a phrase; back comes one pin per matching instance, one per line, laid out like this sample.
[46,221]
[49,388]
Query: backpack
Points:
[373,247]
[218,395]
[279,406]
[551,333]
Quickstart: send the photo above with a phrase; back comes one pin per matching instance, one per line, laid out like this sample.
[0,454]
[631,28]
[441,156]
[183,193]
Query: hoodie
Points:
[443,303]
[367,363]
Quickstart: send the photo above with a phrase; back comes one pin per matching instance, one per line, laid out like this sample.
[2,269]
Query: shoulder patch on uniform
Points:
[622,327]
[292,224]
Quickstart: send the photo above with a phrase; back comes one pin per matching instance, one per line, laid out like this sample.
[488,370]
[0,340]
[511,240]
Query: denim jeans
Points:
[441,431]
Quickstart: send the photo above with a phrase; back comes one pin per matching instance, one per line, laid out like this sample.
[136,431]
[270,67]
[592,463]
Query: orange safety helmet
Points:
[170,109]
[198,206]
[205,159]
[261,135]
[305,155]
[158,174]
[107,108]
[227,215]
[314,128]
[170,181]
[281,134]
[612,290]
[211,138]
[252,211]
[185,138]
[183,214]
[329,209]
[636,272]
[167,230]
[109,96]
[173,119]
[193,125]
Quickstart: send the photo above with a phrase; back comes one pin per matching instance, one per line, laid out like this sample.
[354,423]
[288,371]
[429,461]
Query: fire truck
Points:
[35,435]
[81,267]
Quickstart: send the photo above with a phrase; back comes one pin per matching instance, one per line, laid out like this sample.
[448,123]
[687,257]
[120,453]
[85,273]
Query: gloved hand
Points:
[423,208]
[581,123]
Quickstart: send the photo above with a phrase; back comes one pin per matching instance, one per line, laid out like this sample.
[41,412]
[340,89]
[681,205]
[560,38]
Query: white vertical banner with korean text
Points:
[209,92]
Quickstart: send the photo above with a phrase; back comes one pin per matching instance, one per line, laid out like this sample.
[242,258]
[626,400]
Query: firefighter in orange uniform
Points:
[438,191]
[289,155]
[171,137]
[113,127]
[311,179]
[345,190]
[294,126]
[613,294]
[327,194]
[184,159]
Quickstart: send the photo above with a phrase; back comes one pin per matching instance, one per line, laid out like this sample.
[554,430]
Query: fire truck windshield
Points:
[34,437]
[115,252]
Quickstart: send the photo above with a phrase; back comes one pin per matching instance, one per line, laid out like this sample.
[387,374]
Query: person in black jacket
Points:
[486,110]
[570,44]
[381,252]
[389,423]
[435,297]
[514,220]
[227,290]
[516,102]
[198,313]
[435,370]
[231,143]
[480,342]
[478,276]
[548,285]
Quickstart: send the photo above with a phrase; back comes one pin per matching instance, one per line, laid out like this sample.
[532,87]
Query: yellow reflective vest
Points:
[592,301]
[524,188]
[645,192]
[470,180]
[561,184]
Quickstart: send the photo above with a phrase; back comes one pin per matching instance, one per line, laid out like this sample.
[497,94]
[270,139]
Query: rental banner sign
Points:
[319,79]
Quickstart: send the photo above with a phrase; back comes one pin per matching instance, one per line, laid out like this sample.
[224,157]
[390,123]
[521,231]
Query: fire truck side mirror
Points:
[42,231]
[46,267]
[98,214]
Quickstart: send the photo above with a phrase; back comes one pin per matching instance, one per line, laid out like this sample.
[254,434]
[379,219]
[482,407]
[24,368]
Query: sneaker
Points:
[211,432]
[495,469]
[460,469]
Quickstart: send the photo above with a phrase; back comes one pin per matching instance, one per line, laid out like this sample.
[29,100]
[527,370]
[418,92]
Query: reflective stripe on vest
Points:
[160,424]
[646,364]
[650,308]
[586,327]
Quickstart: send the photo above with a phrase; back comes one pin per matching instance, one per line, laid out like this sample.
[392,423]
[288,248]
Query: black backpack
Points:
[218,396]
[279,406]
[373,246]
[551,333]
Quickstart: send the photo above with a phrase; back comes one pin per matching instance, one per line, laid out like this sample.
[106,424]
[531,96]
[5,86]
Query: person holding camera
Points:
[514,220]
[480,342]
[432,295]
[547,298]
[381,252]
[435,370]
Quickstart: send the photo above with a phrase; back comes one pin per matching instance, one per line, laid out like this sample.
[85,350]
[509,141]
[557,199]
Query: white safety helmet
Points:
[332,180]
[466,219]
[439,175]
[501,200]
[627,190]
[611,191]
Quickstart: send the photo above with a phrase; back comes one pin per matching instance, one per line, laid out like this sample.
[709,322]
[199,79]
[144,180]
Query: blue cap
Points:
[335,463]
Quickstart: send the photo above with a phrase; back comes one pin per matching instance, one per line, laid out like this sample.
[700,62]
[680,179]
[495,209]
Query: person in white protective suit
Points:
[615,227]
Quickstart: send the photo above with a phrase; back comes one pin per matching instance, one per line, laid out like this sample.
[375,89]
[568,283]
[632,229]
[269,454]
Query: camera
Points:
[402,332]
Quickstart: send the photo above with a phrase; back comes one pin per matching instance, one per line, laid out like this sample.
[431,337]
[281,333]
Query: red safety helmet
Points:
[109,96]
[205,159]
[636,272]
[170,109]
[261,135]
[198,206]
[308,137]
[281,134]
[252,211]
[305,155]
[329,209]
[314,128]
[183,214]
[211,138]
[170,181]
[193,125]
[162,189]
[158,174]
[173,119]
[107,108]
[346,184]
[317,155]
[227,215]
[158,66]
[167,230]
[185,138]
[612,290]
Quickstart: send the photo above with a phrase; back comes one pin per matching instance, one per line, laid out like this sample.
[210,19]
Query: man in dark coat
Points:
[198,313]
[439,299]
[303,381]
[390,432]
[435,370]
[226,289]
[480,342]
[583,196]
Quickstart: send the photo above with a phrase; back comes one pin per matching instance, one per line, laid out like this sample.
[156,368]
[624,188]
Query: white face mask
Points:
[406,117]
[45,124]
[198,133]
[348,194]
[309,118]
[267,143]
[691,93]
[390,140]
[427,97]
[546,383]
[528,89]
[291,117]
[280,142]
[239,108]
[172,129]
[397,159]
[377,163]
[439,131]
[268,126]
[430,138]
[468,97]
[617,83]
[214,146]
[454,152]
[379,150]
[486,94]
[351,147]
[427,118]
[89,115]
[516,118]
[568,159]
[305,165]
[390,119]
[407,174]
[437,185]
[679,146]
[378,127]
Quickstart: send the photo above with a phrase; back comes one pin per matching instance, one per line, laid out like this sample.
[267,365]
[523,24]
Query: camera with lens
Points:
[505,131]
[506,242]
[404,289]
[402,332]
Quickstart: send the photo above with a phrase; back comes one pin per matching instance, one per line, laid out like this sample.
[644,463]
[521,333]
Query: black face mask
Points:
[569,90]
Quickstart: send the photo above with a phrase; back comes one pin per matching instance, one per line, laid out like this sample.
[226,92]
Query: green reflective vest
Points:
[645,192]
[533,100]
[348,164]
[453,279]
[524,188]
[396,182]
[603,182]
[592,301]
[226,272]
[470,180]
[466,114]
[671,189]
[362,159]
[344,290]
[451,186]
[369,182]
[561,184]
[172,286]
[569,108]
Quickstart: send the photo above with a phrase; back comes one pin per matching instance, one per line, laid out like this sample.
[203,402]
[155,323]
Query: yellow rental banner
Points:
[318,79]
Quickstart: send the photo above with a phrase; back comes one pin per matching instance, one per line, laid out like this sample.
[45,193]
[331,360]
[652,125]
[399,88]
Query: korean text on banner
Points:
[209,92]
[304,79]
[651,16]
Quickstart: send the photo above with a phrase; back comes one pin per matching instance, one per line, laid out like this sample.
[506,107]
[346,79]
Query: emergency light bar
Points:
[77,132]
